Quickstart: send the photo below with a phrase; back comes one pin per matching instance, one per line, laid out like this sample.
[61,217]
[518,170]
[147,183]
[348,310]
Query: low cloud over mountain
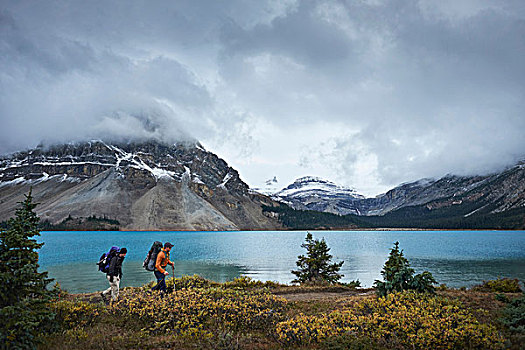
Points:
[365,93]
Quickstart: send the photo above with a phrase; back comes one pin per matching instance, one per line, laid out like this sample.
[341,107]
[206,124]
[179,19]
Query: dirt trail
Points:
[323,295]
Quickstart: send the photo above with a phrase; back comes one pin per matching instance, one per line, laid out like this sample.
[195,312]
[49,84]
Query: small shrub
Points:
[76,314]
[502,297]
[189,282]
[75,334]
[513,318]
[245,282]
[500,285]
[514,315]
[352,284]
[442,287]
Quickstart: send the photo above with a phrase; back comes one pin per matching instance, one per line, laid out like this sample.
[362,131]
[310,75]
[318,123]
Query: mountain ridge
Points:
[158,186]
[145,186]
[455,202]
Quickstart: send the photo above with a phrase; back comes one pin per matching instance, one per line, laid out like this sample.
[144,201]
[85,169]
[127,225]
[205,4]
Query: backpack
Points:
[103,262]
[151,258]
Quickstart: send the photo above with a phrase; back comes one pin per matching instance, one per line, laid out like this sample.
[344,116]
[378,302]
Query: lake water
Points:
[457,258]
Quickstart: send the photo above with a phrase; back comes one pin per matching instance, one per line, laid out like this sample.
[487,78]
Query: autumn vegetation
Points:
[246,314]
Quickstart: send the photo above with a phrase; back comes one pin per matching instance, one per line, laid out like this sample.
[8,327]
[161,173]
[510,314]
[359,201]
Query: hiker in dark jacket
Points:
[163,259]
[114,275]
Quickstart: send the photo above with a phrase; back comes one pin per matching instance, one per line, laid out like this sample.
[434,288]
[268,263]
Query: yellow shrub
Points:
[187,282]
[199,311]
[501,285]
[196,281]
[406,319]
[245,282]
[76,314]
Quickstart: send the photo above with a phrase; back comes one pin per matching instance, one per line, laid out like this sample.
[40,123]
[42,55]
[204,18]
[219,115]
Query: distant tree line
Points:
[90,223]
[313,220]
[74,223]
[451,217]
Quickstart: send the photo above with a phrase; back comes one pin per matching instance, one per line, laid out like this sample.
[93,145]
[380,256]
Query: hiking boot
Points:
[106,301]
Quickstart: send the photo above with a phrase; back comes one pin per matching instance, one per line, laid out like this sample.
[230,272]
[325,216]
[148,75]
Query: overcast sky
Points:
[368,94]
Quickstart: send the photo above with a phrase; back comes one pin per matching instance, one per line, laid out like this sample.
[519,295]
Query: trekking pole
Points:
[173,277]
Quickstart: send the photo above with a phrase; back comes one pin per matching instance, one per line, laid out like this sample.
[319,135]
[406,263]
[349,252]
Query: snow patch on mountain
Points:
[139,164]
[225,181]
[45,177]
[18,180]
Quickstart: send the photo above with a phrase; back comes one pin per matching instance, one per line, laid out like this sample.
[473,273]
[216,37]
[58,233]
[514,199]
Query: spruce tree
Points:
[399,276]
[24,312]
[315,267]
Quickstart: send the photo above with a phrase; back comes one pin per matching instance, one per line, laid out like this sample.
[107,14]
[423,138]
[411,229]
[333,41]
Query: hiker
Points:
[163,259]
[114,275]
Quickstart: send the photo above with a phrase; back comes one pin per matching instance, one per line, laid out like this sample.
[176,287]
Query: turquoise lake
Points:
[457,258]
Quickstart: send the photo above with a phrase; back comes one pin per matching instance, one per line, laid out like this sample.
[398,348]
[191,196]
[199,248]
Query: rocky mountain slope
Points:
[496,202]
[496,193]
[313,193]
[478,195]
[143,186]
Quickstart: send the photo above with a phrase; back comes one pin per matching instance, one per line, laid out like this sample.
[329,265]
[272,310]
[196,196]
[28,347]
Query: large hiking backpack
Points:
[151,259]
[103,262]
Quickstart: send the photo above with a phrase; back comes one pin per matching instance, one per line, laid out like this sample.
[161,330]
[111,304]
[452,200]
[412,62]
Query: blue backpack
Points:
[103,262]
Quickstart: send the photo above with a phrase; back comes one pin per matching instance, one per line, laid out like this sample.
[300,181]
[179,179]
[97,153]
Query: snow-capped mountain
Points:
[269,187]
[145,186]
[314,193]
[494,193]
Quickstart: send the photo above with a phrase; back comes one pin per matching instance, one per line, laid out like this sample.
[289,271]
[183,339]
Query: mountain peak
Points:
[271,181]
[311,179]
[145,185]
[313,183]
[315,193]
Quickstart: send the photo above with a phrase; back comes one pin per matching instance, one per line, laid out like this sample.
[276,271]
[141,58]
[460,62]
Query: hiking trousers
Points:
[113,287]
[161,282]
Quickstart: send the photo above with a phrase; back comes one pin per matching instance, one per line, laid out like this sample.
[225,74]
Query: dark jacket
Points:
[115,266]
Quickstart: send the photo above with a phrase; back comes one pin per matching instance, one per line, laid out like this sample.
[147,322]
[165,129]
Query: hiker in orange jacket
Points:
[163,259]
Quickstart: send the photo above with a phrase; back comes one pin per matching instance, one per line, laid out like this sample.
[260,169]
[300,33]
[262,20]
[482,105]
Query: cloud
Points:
[431,90]
[366,93]
[58,89]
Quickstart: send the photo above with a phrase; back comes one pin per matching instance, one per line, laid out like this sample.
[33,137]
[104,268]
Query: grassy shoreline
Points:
[248,314]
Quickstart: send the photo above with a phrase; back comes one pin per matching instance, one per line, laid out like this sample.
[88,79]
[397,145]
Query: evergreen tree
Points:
[399,276]
[24,299]
[315,267]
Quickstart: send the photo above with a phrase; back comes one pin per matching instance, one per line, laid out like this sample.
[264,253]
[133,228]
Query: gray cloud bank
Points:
[412,88]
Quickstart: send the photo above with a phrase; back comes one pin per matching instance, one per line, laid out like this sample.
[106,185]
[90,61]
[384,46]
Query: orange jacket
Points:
[163,259]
